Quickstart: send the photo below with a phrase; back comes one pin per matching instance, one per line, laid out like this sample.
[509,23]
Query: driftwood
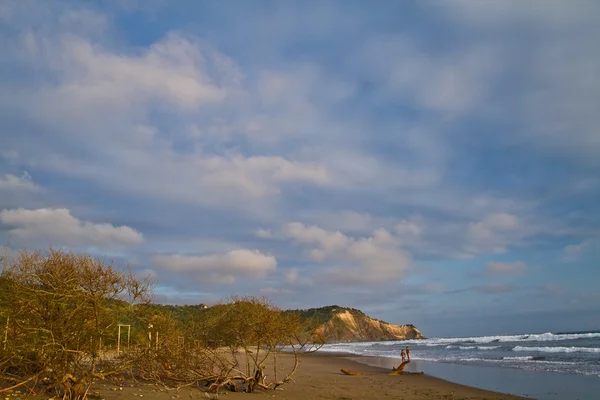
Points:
[395,371]
[347,372]
[400,370]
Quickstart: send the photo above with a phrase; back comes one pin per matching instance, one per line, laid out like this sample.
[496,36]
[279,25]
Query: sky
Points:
[430,162]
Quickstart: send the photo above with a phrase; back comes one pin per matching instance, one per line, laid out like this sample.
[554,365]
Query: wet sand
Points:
[319,377]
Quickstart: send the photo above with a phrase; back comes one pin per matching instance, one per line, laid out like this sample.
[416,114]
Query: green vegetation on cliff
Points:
[336,323]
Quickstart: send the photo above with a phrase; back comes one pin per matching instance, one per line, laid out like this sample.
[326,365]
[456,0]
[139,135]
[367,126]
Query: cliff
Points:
[340,324]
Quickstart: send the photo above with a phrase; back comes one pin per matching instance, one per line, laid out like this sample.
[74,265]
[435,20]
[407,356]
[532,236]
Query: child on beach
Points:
[407,354]
[403,354]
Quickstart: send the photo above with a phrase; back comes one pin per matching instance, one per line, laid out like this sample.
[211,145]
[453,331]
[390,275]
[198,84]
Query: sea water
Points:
[522,364]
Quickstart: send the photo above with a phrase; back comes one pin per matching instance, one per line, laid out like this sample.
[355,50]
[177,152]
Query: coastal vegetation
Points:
[70,320]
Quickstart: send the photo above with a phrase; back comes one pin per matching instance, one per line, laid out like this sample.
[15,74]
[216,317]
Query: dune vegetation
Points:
[70,320]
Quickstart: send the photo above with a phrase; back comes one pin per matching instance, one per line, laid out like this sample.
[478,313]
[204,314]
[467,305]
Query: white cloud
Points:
[264,234]
[172,70]
[113,94]
[557,92]
[18,183]
[573,251]
[576,248]
[345,220]
[412,228]
[493,233]
[292,277]
[375,259]
[219,268]
[59,227]
[500,268]
[559,110]
[260,176]
[451,83]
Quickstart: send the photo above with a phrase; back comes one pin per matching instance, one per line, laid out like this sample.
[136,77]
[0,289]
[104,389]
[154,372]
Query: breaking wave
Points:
[533,337]
[451,346]
[558,349]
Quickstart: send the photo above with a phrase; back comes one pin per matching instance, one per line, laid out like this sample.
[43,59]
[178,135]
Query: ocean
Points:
[547,366]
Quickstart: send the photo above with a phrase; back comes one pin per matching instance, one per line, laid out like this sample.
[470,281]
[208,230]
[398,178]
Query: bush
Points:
[61,313]
[62,310]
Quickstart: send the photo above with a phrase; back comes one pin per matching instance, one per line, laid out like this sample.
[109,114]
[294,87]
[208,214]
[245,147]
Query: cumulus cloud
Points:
[10,183]
[114,95]
[409,229]
[236,139]
[457,238]
[260,176]
[264,234]
[59,227]
[375,259]
[170,70]
[219,268]
[493,233]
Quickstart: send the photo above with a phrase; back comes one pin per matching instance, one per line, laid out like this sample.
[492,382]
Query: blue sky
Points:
[432,162]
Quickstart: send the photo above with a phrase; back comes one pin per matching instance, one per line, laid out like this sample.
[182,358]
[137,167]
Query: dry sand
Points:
[318,377]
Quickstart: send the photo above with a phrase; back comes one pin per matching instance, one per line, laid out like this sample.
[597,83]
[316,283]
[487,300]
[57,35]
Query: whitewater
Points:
[568,353]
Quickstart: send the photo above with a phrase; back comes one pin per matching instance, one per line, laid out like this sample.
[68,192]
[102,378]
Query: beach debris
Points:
[400,370]
[348,372]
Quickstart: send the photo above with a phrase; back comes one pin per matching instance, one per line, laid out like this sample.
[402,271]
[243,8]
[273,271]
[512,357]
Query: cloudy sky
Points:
[431,162]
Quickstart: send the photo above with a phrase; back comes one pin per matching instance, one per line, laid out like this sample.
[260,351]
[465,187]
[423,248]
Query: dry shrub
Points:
[62,310]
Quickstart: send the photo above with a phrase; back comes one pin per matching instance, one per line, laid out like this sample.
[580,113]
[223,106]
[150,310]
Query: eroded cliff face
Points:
[354,326]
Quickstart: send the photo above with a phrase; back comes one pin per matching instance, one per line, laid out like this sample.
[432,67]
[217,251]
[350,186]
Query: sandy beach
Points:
[319,377]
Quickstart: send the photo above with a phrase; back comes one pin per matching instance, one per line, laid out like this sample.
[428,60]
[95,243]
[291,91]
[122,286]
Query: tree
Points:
[255,331]
[63,308]
[61,312]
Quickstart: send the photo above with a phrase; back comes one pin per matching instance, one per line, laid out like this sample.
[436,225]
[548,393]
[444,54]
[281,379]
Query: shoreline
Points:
[541,385]
[420,386]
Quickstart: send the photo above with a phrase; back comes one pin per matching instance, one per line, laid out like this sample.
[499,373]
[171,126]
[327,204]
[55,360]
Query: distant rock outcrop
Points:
[339,324]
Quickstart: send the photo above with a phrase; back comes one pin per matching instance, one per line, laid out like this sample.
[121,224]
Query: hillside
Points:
[339,324]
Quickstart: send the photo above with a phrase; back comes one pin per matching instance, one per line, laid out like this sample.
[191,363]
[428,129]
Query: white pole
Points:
[119,341]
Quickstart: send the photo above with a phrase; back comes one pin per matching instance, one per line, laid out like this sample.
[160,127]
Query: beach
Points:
[545,366]
[319,377]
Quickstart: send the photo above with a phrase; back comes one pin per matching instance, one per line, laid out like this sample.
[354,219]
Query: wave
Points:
[558,349]
[451,346]
[532,337]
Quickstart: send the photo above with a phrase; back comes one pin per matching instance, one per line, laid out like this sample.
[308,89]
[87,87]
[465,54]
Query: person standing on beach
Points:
[403,354]
[407,354]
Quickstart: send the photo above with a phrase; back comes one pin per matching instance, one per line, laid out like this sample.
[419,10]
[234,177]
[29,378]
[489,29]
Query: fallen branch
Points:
[18,384]
[400,370]
[348,372]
